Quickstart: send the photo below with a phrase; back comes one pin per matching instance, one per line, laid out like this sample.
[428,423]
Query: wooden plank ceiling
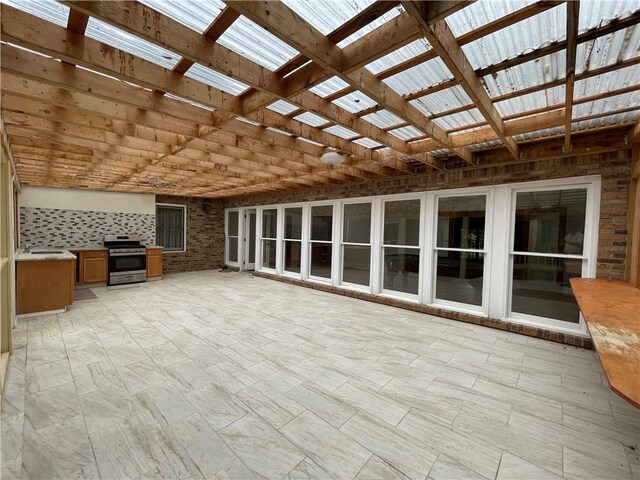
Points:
[79,113]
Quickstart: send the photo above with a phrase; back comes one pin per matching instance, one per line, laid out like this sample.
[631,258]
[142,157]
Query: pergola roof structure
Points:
[213,99]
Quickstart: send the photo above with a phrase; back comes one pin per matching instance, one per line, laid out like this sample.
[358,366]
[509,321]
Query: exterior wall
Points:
[614,167]
[205,235]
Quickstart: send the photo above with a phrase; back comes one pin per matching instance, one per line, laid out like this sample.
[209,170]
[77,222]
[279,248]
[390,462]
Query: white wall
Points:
[87,200]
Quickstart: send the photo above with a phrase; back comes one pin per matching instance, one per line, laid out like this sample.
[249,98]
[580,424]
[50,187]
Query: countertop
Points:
[65,255]
[90,248]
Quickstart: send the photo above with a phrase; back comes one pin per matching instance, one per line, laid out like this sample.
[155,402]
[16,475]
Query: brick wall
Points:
[613,166]
[205,235]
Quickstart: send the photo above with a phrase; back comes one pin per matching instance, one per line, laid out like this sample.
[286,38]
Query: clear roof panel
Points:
[530,34]
[280,106]
[383,119]
[607,82]
[311,119]
[485,145]
[327,15]
[407,133]
[480,13]
[609,104]
[404,53]
[329,87]
[421,76]
[197,15]
[594,13]
[620,118]
[458,120]
[609,49]
[539,134]
[215,79]
[48,10]
[190,102]
[341,132]
[255,43]
[355,102]
[132,44]
[531,101]
[442,101]
[394,12]
[543,70]
[367,142]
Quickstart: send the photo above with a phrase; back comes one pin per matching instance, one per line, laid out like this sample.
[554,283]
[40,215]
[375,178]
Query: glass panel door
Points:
[269,235]
[356,243]
[292,239]
[321,236]
[250,240]
[232,237]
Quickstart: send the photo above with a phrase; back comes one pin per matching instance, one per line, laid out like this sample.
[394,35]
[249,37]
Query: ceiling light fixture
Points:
[332,158]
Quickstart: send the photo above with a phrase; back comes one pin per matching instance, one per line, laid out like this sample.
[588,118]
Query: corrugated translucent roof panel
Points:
[367,142]
[539,134]
[49,10]
[190,102]
[255,43]
[531,101]
[421,76]
[594,13]
[311,119]
[394,12]
[355,102]
[341,132]
[442,101]
[407,133]
[280,106]
[609,104]
[132,44]
[327,15]
[628,117]
[543,70]
[215,79]
[461,119]
[329,87]
[383,119]
[197,15]
[534,32]
[607,82]
[485,145]
[609,49]
[404,53]
[480,13]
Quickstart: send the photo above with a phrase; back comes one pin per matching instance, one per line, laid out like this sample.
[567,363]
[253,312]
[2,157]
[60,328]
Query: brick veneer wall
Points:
[205,235]
[615,168]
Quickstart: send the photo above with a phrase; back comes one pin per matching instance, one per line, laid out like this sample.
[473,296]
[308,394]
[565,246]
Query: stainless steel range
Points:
[127,259]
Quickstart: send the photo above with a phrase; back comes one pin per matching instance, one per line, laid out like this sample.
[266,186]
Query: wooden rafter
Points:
[573,17]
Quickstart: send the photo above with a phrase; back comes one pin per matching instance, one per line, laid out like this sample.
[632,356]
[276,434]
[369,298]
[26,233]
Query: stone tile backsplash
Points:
[49,227]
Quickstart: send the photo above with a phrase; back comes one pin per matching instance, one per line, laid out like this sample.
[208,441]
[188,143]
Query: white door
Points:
[249,240]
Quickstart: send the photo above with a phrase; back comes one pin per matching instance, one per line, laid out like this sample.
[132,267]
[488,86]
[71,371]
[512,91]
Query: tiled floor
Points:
[211,375]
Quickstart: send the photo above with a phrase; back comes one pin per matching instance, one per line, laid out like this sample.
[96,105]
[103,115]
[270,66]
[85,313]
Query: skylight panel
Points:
[595,13]
[367,142]
[255,43]
[196,15]
[407,133]
[419,77]
[394,12]
[608,49]
[404,53]
[311,119]
[216,80]
[383,119]
[48,10]
[458,120]
[124,41]
[285,108]
[341,132]
[442,101]
[355,102]
[481,13]
[607,81]
[531,101]
[609,104]
[327,15]
[329,87]
[628,117]
[539,134]
[190,102]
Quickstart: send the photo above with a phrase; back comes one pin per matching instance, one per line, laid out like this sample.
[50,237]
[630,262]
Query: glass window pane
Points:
[401,269]
[550,222]
[269,223]
[321,260]
[460,276]
[402,222]
[321,222]
[252,237]
[461,222]
[292,256]
[233,224]
[356,264]
[233,249]
[293,223]
[170,229]
[269,254]
[357,223]
[541,287]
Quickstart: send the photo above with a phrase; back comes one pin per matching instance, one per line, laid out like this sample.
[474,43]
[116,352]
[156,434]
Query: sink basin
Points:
[46,252]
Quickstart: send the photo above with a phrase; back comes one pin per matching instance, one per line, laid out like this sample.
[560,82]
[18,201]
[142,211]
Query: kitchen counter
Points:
[34,256]
[94,248]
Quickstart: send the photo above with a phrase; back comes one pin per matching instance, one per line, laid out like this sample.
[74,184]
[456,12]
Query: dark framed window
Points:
[171,227]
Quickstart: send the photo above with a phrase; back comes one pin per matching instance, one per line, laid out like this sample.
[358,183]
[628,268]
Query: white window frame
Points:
[306,250]
[277,239]
[239,261]
[340,236]
[184,229]
[284,239]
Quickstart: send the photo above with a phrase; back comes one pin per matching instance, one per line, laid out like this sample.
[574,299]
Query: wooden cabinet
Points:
[44,285]
[93,268]
[154,262]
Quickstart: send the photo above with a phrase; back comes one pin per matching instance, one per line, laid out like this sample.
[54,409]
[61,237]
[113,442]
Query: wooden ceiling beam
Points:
[444,44]
[573,18]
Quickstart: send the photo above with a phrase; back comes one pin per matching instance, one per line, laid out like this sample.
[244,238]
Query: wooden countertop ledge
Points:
[611,310]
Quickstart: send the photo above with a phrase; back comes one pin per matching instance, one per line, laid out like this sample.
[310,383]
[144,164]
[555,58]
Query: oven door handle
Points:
[128,254]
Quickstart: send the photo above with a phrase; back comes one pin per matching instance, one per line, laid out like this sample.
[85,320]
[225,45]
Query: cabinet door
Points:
[154,263]
[94,269]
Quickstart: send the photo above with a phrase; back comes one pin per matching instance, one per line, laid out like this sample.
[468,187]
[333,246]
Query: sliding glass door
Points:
[356,243]
[320,242]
